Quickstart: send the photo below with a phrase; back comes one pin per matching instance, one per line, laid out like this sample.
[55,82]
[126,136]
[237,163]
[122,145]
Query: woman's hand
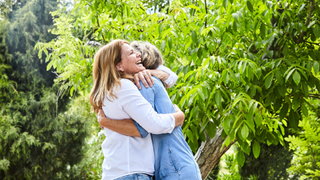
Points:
[176,108]
[100,116]
[145,77]
[178,115]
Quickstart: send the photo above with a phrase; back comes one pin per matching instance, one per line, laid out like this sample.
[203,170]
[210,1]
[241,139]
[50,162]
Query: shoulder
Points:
[127,84]
[157,82]
[149,89]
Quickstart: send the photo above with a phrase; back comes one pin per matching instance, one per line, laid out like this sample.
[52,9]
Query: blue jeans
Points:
[135,177]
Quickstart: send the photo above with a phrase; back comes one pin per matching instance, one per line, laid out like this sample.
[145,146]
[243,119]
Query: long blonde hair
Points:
[106,78]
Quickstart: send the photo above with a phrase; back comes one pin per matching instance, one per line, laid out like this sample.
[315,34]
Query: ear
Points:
[119,67]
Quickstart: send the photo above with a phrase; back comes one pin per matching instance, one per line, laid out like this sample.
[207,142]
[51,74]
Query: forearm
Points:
[125,127]
[159,74]
[179,118]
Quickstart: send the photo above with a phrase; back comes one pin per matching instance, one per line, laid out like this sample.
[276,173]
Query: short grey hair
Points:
[151,56]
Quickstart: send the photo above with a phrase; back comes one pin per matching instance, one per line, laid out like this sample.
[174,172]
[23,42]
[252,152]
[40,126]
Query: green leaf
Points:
[163,45]
[289,74]
[285,50]
[269,4]
[315,67]
[279,77]
[240,158]
[263,30]
[211,129]
[270,138]
[226,124]
[293,119]
[225,3]
[195,131]
[203,126]
[270,54]
[284,111]
[226,142]
[249,5]
[302,6]
[170,42]
[244,131]
[295,102]
[190,135]
[202,137]
[201,94]
[282,90]
[250,122]
[309,65]
[316,30]
[268,81]
[194,7]
[304,109]
[296,77]
[256,149]
[258,119]
[218,98]
[305,89]
[234,26]
[194,36]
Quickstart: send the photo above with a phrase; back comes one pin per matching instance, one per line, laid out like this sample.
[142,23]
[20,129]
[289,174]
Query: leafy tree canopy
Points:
[246,66]
[306,161]
[38,140]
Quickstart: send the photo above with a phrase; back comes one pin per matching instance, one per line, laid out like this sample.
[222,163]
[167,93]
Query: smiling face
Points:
[130,60]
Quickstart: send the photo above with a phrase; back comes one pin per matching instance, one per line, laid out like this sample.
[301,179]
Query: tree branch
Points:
[209,153]
[307,22]
[318,44]
[205,5]
[314,96]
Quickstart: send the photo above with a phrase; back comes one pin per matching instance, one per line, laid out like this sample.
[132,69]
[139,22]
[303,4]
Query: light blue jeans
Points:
[135,177]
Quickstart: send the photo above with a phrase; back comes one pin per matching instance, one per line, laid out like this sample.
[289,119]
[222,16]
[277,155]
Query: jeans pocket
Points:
[174,161]
[144,177]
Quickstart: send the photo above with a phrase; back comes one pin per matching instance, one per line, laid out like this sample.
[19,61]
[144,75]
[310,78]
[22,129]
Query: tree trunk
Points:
[209,153]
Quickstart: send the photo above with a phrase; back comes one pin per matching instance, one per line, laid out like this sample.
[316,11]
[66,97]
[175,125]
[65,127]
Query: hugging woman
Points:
[171,157]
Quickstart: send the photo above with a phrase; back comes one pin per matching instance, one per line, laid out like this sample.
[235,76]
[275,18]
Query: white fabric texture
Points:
[124,155]
[172,79]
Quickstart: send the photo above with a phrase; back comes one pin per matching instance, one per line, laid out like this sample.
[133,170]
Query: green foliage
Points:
[236,69]
[90,165]
[36,142]
[29,23]
[307,148]
[7,86]
[232,168]
[38,139]
[271,164]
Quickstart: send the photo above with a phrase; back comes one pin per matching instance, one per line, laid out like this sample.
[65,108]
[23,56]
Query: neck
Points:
[127,76]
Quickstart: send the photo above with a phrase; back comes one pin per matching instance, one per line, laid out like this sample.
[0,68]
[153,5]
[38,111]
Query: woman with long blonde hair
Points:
[126,157]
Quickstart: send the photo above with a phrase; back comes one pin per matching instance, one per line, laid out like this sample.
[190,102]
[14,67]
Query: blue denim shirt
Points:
[173,157]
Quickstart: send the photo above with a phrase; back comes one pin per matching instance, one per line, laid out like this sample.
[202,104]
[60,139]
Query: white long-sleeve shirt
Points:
[125,155]
[172,79]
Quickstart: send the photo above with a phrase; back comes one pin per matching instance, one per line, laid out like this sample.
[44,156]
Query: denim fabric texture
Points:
[173,157]
[135,177]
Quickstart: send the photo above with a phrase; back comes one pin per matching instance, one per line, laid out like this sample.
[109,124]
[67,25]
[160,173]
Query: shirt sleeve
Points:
[172,79]
[139,109]
[143,133]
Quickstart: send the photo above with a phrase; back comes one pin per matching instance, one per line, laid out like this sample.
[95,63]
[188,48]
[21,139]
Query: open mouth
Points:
[139,62]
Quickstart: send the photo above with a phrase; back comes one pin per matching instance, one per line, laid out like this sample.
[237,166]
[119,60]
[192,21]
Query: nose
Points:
[138,54]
